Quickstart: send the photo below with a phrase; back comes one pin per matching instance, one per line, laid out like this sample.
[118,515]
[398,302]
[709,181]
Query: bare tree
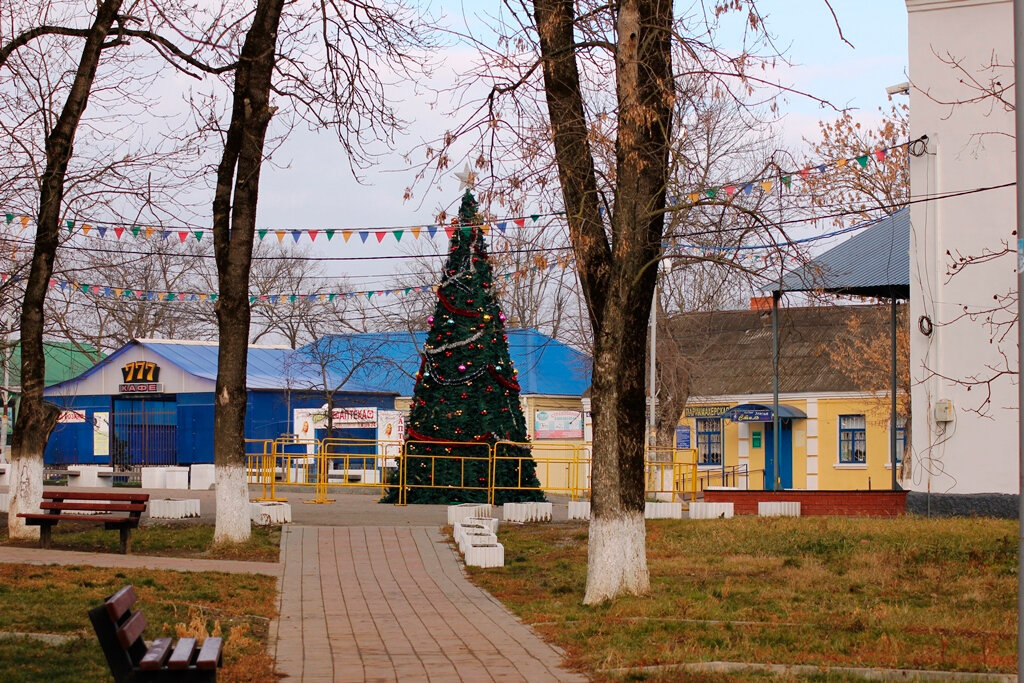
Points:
[109,30]
[343,90]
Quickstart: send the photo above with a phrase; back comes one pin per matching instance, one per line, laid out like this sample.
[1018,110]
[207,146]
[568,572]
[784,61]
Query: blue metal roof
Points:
[875,262]
[268,367]
[546,366]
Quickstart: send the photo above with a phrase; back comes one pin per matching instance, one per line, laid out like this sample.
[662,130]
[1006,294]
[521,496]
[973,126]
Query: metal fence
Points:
[562,469]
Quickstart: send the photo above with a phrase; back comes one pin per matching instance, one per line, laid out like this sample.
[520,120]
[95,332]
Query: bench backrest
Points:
[64,494]
[119,632]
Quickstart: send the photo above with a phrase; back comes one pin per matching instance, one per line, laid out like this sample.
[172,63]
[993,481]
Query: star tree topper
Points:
[467,178]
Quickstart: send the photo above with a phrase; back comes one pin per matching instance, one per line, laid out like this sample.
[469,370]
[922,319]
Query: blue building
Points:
[152,401]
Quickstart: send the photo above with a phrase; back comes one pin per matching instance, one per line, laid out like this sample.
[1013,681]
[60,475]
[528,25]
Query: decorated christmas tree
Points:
[466,394]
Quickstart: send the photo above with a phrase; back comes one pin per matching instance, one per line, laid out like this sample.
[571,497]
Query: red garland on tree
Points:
[466,391]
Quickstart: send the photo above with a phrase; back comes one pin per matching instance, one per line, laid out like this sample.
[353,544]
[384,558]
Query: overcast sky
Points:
[318,189]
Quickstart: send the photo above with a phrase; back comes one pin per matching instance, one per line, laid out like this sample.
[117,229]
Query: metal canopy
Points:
[874,263]
[755,412]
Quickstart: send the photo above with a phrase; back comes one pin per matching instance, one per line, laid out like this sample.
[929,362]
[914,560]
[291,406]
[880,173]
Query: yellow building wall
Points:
[874,473]
[815,443]
[560,462]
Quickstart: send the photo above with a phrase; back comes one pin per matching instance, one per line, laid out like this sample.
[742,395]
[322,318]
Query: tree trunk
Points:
[234,226]
[36,419]
[618,279]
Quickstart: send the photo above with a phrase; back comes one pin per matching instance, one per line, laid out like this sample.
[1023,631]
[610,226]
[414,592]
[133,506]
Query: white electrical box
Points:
[943,410]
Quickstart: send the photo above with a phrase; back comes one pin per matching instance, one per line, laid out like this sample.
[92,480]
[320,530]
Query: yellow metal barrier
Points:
[426,455]
[260,465]
[561,468]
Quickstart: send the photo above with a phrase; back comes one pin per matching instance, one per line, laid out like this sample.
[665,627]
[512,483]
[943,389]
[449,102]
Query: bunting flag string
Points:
[119,232]
[747,256]
[727,191]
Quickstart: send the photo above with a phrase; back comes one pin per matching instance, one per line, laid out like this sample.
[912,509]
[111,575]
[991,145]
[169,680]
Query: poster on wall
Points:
[390,435]
[101,433]
[683,437]
[308,420]
[71,416]
[558,424]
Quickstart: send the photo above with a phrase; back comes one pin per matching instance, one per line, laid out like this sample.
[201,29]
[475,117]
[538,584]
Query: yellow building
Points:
[833,435]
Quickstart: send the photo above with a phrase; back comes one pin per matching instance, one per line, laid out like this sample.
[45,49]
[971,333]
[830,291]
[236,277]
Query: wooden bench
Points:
[113,510]
[119,631]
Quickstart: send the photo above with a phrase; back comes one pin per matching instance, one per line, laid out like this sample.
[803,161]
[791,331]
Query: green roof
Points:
[64,360]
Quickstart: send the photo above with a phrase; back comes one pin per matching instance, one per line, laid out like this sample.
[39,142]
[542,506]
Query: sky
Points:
[316,188]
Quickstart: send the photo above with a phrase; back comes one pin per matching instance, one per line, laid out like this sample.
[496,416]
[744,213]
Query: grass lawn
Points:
[897,593]
[55,600]
[185,538]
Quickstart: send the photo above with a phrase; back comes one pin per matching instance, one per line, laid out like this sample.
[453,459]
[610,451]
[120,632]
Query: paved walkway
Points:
[392,604]
[384,598]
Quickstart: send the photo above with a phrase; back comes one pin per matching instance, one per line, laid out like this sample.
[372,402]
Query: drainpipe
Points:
[892,389]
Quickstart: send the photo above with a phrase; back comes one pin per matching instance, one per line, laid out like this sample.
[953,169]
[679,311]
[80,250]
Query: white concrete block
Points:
[462,528]
[489,555]
[472,538]
[177,478]
[202,477]
[660,510]
[154,477]
[91,476]
[5,474]
[173,508]
[778,508]
[489,523]
[526,512]
[5,502]
[579,509]
[702,510]
[264,513]
[457,513]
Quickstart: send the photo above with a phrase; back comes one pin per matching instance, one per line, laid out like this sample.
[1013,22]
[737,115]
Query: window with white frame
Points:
[709,441]
[852,439]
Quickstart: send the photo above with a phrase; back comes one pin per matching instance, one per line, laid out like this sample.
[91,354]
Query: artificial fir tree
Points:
[466,389]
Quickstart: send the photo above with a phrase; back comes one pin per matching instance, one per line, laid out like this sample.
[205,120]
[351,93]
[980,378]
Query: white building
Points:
[963,342]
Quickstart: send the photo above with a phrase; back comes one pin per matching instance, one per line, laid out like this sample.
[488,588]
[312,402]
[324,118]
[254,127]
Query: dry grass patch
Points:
[901,593]
[56,599]
[185,538]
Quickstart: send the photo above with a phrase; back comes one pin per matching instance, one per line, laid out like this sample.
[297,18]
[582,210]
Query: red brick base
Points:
[838,503]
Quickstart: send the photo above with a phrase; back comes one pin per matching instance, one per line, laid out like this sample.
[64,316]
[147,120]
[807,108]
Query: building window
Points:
[709,441]
[852,439]
[901,438]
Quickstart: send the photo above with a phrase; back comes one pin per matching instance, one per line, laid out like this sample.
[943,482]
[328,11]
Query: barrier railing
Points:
[561,468]
[473,462]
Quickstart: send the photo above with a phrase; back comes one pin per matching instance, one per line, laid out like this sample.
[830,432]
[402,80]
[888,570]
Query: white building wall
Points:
[970,145]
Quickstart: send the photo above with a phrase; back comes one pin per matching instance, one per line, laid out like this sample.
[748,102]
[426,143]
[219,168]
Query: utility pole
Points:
[652,394]
[1018,72]
[5,395]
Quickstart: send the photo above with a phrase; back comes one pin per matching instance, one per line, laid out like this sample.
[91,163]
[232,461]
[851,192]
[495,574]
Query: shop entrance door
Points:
[145,431]
[785,461]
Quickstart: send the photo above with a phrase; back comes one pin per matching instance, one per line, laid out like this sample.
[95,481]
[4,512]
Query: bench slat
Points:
[156,655]
[120,602]
[52,494]
[99,506]
[131,630]
[181,658]
[209,654]
[44,517]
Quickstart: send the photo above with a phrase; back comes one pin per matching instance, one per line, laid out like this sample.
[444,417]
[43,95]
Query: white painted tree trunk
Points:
[26,493]
[233,523]
[617,558]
